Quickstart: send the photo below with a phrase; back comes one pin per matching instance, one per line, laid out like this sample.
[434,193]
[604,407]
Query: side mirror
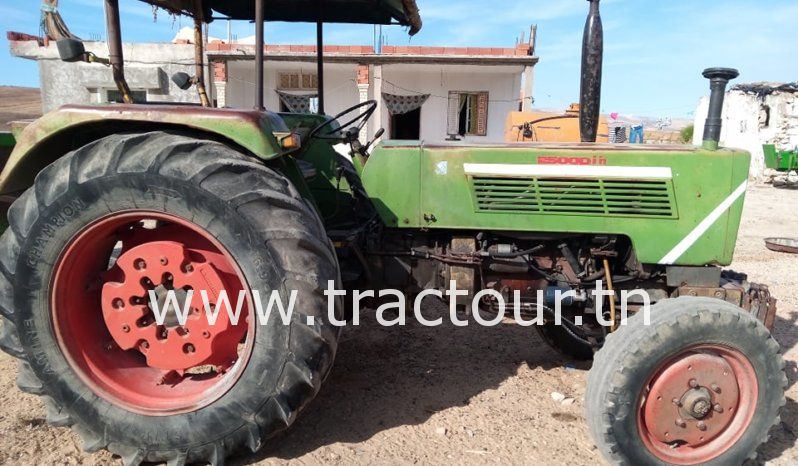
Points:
[182,80]
[71,50]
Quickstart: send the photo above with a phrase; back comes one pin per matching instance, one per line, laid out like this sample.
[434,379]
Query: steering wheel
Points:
[336,135]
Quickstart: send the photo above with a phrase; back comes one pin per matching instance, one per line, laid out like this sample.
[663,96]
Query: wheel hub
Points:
[184,338]
[692,401]
[171,319]
[696,403]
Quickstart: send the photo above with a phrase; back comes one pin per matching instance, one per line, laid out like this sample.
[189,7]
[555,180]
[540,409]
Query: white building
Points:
[428,93]
[754,115]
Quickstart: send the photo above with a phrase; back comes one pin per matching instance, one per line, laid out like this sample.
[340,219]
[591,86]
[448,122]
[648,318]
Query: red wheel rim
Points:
[107,329]
[697,404]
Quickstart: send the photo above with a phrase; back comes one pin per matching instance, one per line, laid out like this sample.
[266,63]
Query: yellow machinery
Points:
[549,126]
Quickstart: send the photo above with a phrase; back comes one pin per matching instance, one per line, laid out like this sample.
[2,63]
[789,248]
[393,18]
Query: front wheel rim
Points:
[697,404]
[107,332]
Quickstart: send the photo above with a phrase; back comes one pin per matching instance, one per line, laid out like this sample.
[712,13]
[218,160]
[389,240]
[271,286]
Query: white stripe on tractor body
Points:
[568,171]
[689,240]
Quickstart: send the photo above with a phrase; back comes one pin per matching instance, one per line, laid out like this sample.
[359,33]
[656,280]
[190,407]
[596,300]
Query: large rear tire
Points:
[702,384]
[247,227]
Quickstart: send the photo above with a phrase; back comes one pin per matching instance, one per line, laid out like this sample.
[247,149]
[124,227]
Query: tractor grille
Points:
[588,197]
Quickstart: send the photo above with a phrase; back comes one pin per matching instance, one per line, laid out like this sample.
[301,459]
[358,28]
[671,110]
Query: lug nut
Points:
[145,344]
[693,383]
[140,264]
[680,422]
[718,408]
[715,388]
[188,268]
[677,402]
[701,425]
[189,348]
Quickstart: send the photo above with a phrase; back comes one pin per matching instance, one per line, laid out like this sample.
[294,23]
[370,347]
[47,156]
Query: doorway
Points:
[406,126]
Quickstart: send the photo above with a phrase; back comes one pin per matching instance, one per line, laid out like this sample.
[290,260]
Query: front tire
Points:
[244,224]
[702,384]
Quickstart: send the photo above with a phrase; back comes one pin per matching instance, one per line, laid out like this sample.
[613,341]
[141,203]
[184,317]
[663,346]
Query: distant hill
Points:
[18,103]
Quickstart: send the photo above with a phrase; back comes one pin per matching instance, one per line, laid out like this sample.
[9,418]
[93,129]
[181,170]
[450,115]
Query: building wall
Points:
[744,126]
[148,68]
[502,82]
[339,83]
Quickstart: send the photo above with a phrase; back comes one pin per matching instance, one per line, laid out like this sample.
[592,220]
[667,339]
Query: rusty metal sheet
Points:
[405,12]
[788,245]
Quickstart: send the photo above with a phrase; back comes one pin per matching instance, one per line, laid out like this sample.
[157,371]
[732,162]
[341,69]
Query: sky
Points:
[654,50]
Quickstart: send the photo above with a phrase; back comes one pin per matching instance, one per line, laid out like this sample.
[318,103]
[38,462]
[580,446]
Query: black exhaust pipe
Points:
[718,80]
[592,62]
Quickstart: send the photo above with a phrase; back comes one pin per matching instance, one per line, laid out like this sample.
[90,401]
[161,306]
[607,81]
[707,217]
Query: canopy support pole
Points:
[320,53]
[199,54]
[115,49]
[259,19]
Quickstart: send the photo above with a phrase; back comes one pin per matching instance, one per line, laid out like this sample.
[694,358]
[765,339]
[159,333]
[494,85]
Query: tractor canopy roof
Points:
[404,12]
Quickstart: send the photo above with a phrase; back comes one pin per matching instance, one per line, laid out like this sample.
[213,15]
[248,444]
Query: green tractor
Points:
[118,207]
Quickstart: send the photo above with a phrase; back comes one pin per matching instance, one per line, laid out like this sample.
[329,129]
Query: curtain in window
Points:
[296,103]
[401,104]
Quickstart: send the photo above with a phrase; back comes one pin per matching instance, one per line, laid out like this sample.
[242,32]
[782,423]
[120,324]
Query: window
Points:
[113,96]
[764,116]
[298,81]
[468,113]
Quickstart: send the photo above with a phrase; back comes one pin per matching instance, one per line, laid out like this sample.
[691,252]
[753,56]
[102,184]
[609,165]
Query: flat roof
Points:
[520,55]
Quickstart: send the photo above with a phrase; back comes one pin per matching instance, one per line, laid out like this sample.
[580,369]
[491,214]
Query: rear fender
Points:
[70,127]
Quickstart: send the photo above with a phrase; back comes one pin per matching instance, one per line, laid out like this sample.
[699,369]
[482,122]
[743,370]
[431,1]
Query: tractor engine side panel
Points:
[677,205]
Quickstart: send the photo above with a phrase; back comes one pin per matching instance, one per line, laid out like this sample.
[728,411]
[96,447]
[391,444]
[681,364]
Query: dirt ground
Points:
[432,396]
[18,103]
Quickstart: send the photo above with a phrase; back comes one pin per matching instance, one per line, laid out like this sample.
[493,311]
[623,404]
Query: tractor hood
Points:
[404,12]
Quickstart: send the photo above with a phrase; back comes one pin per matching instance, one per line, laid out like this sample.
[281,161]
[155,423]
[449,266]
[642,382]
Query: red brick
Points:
[14,36]
[362,74]
[523,51]
[220,71]
[478,51]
